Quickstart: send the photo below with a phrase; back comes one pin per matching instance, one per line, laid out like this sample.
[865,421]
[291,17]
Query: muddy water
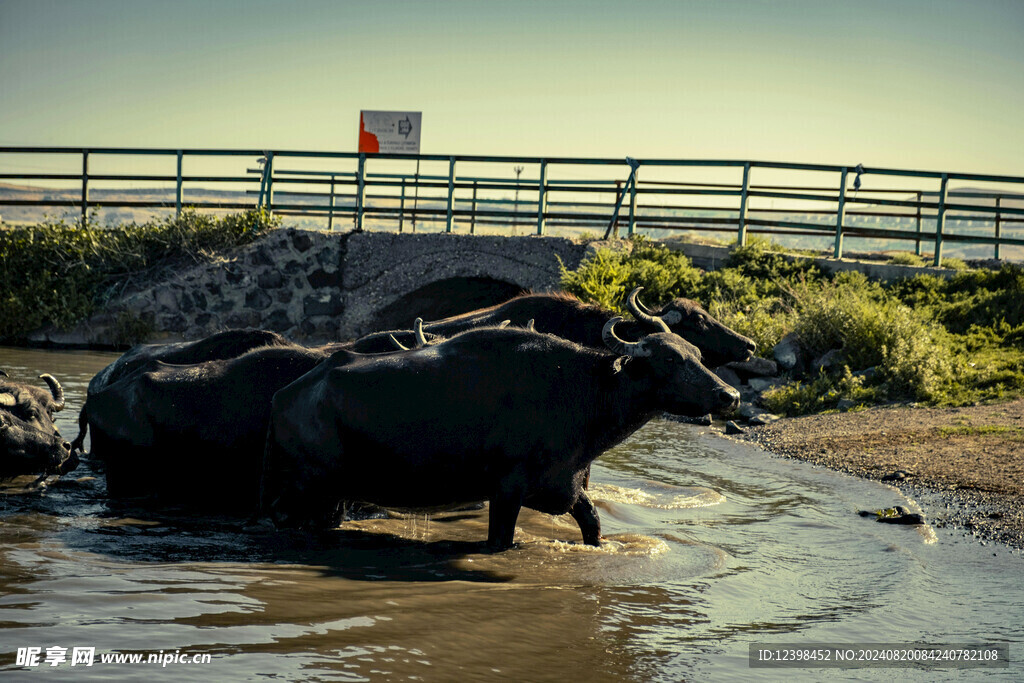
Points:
[712,546]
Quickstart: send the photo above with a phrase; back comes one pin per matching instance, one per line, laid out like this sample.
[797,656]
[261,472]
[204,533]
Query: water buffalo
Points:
[29,441]
[223,345]
[193,433]
[566,316]
[507,415]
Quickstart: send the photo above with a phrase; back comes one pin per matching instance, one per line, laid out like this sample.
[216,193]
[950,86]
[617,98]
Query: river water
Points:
[712,546]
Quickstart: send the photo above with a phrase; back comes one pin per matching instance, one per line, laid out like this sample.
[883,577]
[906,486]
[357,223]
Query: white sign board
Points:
[389,132]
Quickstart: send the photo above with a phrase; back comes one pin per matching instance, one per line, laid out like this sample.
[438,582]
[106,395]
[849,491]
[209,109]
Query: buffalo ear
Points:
[619,363]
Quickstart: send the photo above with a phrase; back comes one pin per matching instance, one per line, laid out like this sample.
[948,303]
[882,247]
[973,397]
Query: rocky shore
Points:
[965,465]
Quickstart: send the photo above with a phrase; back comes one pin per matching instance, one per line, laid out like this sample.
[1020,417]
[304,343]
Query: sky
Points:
[923,84]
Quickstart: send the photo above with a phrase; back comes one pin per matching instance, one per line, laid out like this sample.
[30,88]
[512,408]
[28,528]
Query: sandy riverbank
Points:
[972,458]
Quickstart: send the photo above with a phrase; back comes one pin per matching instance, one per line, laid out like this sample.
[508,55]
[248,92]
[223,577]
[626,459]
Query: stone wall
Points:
[315,287]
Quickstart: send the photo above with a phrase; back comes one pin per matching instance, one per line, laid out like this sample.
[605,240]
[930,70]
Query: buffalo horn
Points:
[7,400]
[397,343]
[504,323]
[56,390]
[619,346]
[641,313]
[529,325]
[3,373]
[417,328]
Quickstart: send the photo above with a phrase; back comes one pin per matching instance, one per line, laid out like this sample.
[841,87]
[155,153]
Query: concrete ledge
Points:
[711,257]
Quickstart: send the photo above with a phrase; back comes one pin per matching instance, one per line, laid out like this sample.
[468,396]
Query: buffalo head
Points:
[685,385]
[27,450]
[29,441]
[718,344]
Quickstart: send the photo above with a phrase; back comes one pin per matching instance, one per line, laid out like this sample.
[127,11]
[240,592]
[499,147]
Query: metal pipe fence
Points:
[469,192]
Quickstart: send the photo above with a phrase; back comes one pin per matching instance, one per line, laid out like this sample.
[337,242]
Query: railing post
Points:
[840,215]
[741,236]
[542,196]
[177,193]
[85,187]
[360,190]
[940,219]
[451,194]
[401,207]
[270,183]
[917,249]
[330,213]
[632,205]
[998,229]
[472,215]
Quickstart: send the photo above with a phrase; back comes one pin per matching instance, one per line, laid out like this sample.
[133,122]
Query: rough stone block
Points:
[760,384]
[320,278]
[166,299]
[301,241]
[258,300]
[323,304]
[242,319]
[271,279]
[787,352]
[728,376]
[755,367]
[828,360]
[731,427]
[234,275]
[278,320]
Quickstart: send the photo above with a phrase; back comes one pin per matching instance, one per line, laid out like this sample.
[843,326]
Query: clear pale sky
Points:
[928,84]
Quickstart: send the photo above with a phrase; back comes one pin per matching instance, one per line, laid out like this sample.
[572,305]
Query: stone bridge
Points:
[316,287]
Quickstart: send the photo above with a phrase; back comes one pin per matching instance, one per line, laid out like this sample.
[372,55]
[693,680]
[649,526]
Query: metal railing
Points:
[384,192]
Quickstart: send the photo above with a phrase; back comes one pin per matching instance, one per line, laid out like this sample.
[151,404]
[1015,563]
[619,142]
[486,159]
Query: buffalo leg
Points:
[501,522]
[585,514]
[83,426]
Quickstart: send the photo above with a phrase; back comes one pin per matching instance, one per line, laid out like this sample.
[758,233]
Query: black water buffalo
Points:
[506,415]
[29,441]
[566,316]
[220,346]
[195,433]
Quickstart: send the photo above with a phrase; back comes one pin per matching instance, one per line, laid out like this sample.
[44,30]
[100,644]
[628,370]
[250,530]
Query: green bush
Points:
[822,393]
[975,297]
[873,329]
[58,274]
[608,276]
[926,339]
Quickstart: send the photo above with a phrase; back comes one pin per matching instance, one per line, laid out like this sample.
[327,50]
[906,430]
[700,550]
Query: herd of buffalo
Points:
[508,404]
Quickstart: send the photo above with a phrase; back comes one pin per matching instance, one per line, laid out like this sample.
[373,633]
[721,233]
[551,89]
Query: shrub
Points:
[820,394]
[57,273]
[607,276]
[940,341]
[873,329]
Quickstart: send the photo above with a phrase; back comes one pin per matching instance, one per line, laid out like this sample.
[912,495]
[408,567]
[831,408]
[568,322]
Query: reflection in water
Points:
[711,546]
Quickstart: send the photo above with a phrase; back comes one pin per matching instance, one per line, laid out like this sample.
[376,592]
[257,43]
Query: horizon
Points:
[917,85]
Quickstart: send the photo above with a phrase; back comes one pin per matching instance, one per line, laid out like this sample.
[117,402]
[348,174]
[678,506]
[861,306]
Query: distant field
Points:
[29,215]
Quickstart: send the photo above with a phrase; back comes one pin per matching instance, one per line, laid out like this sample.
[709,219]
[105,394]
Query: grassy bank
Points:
[59,274]
[922,339]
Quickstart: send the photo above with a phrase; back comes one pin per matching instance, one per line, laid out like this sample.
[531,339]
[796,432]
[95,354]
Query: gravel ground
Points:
[964,465]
